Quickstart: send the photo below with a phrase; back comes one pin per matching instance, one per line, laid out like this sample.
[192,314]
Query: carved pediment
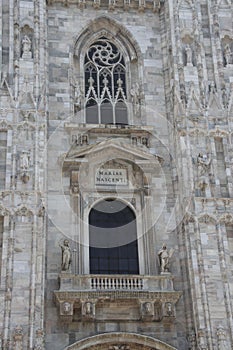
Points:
[118,148]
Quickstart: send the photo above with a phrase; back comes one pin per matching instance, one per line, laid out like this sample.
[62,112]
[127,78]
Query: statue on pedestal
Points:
[164,258]
[66,255]
[26,47]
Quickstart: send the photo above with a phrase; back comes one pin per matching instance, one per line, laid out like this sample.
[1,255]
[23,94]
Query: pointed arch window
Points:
[105,84]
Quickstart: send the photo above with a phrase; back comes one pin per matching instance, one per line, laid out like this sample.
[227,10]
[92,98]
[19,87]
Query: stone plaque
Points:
[111,177]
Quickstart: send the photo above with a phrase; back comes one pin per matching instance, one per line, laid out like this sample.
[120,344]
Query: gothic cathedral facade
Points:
[116,175]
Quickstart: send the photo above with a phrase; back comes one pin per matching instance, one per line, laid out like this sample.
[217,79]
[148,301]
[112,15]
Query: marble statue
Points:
[164,258]
[66,255]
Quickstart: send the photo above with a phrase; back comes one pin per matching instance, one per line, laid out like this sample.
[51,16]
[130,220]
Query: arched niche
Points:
[131,341]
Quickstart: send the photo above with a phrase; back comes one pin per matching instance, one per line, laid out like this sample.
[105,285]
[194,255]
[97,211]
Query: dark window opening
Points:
[113,239]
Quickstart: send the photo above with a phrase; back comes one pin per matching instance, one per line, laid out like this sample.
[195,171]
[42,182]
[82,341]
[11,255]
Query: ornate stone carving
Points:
[88,309]
[74,181]
[66,311]
[203,163]
[226,218]
[202,339]
[221,335]
[192,341]
[39,343]
[66,255]
[147,310]
[207,218]
[111,5]
[66,308]
[202,186]
[23,211]
[169,310]
[18,338]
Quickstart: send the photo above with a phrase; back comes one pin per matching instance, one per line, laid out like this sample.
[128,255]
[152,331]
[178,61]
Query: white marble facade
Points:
[116,104]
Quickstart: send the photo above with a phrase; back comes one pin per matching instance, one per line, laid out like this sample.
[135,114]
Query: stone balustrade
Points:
[72,282]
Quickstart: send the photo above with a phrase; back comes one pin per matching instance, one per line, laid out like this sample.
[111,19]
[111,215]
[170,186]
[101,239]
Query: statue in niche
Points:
[164,258]
[66,255]
[224,98]
[203,162]
[26,47]
[227,54]
[189,55]
[18,338]
[77,97]
[24,164]
[24,160]
[136,98]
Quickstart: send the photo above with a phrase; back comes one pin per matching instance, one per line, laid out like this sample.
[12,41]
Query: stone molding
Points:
[120,340]
[112,5]
[153,296]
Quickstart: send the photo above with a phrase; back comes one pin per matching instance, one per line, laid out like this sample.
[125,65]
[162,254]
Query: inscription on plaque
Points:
[111,177]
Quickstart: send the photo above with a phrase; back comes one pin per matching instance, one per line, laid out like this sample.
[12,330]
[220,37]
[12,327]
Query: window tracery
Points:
[105,84]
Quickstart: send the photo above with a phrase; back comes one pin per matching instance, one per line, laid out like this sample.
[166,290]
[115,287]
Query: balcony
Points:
[91,296]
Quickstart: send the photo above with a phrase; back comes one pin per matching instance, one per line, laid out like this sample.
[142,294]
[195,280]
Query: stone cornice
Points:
[74,296]
[140,5]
